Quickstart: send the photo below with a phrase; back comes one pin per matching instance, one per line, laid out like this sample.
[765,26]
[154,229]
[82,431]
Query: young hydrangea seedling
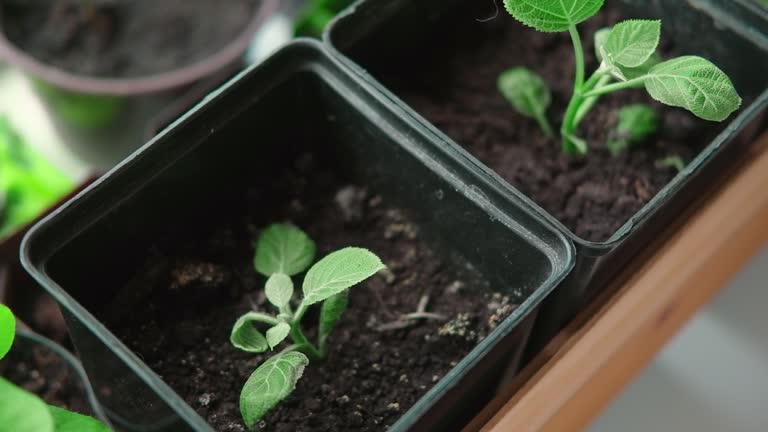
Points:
[283,251]
[628,59]
[21,411]
[636,123]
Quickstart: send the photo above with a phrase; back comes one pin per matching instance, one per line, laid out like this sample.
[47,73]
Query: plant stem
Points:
[568,127]
[262,317]
[616,87]
[590,102]
[541,118]
[579,52]
[303,344]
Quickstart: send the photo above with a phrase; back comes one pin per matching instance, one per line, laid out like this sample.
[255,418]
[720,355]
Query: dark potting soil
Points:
[43,372]
[451,81]
[119,39]
[378,366]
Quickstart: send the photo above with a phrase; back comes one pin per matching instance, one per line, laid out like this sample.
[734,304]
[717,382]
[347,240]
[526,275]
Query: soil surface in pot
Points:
[378,365]
[451,81]
[124,38]
[42,372]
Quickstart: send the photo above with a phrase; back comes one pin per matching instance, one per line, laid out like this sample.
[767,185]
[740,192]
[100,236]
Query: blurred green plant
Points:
[316,15]
[28,183]
[22,411]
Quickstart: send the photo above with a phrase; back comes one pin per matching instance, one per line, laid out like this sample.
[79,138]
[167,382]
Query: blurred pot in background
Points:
[106,68]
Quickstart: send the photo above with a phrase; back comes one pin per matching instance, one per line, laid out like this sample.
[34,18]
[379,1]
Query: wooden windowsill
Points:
[586,367]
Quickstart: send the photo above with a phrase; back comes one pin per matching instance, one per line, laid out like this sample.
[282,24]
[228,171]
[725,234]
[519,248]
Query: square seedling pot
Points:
[378,38]
[243,137]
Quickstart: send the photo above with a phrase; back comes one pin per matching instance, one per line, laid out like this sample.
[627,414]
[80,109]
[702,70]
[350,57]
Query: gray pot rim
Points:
[140,85]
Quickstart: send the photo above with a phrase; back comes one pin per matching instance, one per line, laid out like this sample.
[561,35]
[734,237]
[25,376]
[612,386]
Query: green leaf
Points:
[272,382]
[631,43]
[7,330]
[600,37]
[330,313]
[528,94]
[575,145]
[246,336]
[279,289]
[643,69]
[552,15]
[283,248]
[337,272]
[66,421]
[21,411]
[636,123]
[277,334]
[695,84]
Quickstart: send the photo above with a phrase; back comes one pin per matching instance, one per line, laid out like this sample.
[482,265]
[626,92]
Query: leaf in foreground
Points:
[279,289]
[552,15]
[246,336]
[277,334]
[66,421]
[21,411]
[331,311]
[631,43]
[695,84]
[283,248]
[338,271]
[272,382]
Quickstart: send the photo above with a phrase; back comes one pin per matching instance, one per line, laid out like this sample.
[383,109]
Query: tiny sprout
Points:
[673,161]
[636,123]
[528,94]
[283,251]
[628,59]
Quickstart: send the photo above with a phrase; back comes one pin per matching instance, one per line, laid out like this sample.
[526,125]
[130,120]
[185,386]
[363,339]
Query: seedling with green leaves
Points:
[21,411]
[283,251]
[628,59]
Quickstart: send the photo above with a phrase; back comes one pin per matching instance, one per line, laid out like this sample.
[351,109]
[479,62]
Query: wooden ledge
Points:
[586,367]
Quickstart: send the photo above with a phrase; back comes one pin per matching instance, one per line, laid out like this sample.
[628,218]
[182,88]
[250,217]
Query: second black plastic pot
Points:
[377,34]
[178,183]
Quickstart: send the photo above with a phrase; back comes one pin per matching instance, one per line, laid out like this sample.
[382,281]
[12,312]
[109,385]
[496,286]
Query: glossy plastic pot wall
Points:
[374,32]
[242,134]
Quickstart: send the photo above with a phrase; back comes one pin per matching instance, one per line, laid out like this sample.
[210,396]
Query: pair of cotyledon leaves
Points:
[688,82]
[283,251]
[21,411]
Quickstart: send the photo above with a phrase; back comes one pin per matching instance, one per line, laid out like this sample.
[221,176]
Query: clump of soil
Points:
[118,38]
[41,371]
[450,79]
[379,364]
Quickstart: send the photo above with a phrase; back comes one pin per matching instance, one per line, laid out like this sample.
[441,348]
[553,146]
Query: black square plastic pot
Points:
[374,33]
[240,136]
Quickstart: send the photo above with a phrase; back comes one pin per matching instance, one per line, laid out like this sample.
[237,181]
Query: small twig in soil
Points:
[410,319]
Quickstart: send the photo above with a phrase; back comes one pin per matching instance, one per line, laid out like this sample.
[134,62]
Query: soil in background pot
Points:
[43,372]
[377,368]
[124,39]
[452,83]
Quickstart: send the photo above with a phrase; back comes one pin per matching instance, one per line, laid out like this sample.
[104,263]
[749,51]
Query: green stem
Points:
[615,87]
[541,118]
[590,102]
[579,52]
[262,317]
[303,344]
